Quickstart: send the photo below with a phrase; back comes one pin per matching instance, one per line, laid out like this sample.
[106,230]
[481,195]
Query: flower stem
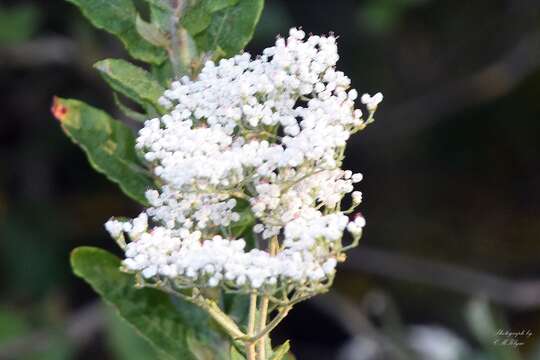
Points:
[250,344]
[207,305]
[272,324]
[263,314]
[261,344]
[174,51]
[221,318]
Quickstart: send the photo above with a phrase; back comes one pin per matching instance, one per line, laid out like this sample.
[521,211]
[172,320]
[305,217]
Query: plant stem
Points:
[250,344]
[221,318]
[272,324]
[261,344]
[263,315]
[174,52]
[209,306]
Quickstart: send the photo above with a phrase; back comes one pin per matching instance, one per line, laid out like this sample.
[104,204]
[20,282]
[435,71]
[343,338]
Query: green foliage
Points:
[204,351]
[124,341]
[281,351]
[236,306]
[118,17]
[151,33]
[177,329]
[204,338]
[108,144]
[244,226]
[160,14]
[127,111]
[150,311]
[235,354]
[223,25]
[133,82]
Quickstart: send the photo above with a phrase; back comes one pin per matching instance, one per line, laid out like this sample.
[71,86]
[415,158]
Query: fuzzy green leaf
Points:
[223,24]
[281,351]
[149,311]
[118,17]
[131,81]
[109,145]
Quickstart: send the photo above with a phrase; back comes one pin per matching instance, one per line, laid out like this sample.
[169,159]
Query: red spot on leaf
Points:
[58,110]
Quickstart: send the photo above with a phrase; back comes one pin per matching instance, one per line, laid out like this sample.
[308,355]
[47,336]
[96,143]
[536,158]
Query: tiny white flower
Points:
[114,228]
[357,197]
[372,102]
[356,178]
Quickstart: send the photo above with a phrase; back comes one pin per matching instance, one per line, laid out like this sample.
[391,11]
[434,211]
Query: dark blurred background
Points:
[451,253]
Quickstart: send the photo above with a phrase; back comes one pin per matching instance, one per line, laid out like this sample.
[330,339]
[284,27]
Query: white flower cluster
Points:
[256,141]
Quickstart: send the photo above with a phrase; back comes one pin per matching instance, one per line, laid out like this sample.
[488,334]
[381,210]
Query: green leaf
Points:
[123,340]
[150,311]
[160,14]
[236,306]
[235,354]
[203,350]
[281,351]
[118,17]
[163,73]
[216,5]
[160,4]
[244,226]
[130,113]
[151,33]
[205,338]
[131,81]
[197,17]
[225,24]
[109,145]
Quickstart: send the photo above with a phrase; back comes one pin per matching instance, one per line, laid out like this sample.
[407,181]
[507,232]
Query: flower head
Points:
[256,141]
